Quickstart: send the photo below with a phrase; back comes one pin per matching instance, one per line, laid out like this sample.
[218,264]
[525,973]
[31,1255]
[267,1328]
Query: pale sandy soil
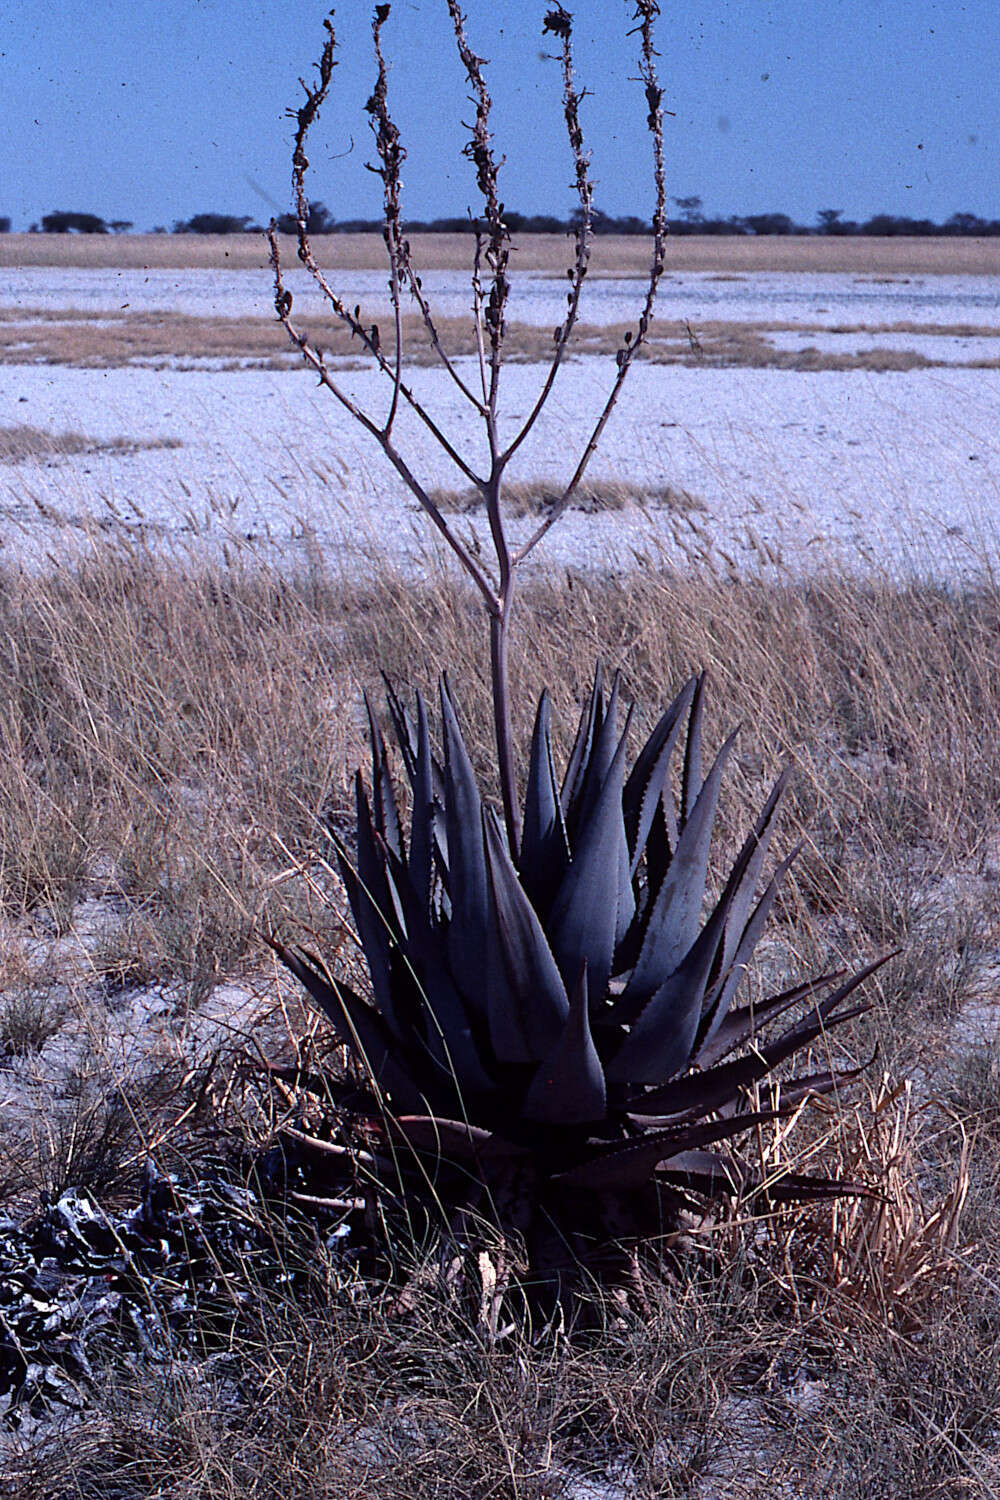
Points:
[821,298]
[896,470]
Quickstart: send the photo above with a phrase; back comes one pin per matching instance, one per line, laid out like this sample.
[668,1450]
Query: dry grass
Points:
[170,730]
[160,339]
[717,1390]
[533,497]
[540,253]
[23,444]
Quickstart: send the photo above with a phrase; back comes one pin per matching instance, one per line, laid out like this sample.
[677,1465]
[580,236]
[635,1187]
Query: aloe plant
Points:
[552,1036]
[559,1028]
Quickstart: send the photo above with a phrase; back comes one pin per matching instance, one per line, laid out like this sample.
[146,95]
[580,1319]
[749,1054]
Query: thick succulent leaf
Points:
[422,821]
[597,768]
[467,885]
[584,916]
[449,1034]
[798,1187]
[661,841]
[647,780]
[826,1015]
[427,832]
[745,874]
[362,1028]
[793,1090]
[626,1166]
[660,1043]
[446,1021]
[347,865]
[725,992]
[408,737]
[504,1013]
[691,782]
[375,909]
[544,856]
[455,1139]
[405,733]
[704,1172]
[597,763]
[383,793]
[569,1088]
[526,997]
[739,1025]
[723,1087]
[675,910]
[718,1087]
[626,894]
[590,718]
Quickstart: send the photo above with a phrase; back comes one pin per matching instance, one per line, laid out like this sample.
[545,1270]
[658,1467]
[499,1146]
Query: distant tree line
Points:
[690,219]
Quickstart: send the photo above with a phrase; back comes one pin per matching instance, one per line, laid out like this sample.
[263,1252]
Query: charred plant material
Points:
[491,290]
[552,1037]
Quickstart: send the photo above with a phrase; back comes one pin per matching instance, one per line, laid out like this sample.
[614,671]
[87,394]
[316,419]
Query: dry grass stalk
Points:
[896,1251]
[532,497]
[892,1254]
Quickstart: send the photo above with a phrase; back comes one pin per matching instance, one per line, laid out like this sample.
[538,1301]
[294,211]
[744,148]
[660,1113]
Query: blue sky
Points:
[153,110]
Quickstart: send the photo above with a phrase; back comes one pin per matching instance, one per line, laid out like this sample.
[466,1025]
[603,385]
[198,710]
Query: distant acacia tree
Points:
[213,224]
[769,223]
[319,221]
[968,224]
[4,225]
[120,226]
[60,222]
[691,209]
[897,224]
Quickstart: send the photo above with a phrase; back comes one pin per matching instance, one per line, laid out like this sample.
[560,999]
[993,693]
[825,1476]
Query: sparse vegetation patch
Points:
[25,444]
[111,340]
[533,497]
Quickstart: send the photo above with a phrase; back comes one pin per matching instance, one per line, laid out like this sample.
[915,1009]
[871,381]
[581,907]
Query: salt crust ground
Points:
[897,470]
[702,296]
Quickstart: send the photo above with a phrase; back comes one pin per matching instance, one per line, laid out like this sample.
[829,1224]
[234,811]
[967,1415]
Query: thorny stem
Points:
[499,635]
[391,153]
[492,246]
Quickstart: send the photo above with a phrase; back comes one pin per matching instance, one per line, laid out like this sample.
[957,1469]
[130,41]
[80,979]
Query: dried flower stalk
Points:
[491,291]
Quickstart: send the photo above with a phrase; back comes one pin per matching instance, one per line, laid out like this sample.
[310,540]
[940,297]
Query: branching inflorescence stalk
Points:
[490,285]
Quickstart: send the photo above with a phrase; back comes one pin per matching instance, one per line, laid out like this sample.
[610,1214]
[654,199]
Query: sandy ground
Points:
[825,299]
[900,470]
